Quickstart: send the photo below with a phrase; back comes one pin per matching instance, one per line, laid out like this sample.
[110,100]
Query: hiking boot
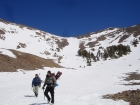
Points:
[36,94]
[48,101]
[52,102]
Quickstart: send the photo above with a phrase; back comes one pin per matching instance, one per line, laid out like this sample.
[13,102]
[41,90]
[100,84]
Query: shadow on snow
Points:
[29,96]
[37,104]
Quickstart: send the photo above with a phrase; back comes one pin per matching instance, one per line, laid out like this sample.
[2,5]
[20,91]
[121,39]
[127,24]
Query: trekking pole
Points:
[44,94]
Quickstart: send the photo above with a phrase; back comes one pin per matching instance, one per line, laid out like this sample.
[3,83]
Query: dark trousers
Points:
[51,90]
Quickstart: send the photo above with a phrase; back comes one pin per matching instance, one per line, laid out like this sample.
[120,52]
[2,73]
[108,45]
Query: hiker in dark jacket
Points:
[36,83]
[50,81]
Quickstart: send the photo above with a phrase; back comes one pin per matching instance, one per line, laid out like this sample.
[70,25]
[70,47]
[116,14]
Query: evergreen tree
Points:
[89,54]
[128,49]
[85,53]
[97,58]
[88,62]
[120,54]
[98,53]
[94,59]
[105,56]
[135,42]
[92,55]
[80,52]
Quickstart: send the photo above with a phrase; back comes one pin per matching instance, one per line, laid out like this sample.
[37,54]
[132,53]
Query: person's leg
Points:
[52,94]
[46,93]
[36,90]
[33,89]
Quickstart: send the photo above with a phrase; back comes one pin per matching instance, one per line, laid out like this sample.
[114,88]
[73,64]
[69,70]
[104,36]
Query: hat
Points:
[49,72]
[36,75]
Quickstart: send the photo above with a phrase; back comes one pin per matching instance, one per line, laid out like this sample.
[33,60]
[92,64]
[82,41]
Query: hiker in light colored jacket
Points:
[50,81]
[36,83]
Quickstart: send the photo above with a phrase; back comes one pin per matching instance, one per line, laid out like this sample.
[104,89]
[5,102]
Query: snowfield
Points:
[77,86]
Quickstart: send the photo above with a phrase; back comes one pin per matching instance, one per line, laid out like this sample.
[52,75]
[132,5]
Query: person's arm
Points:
[32,82]
[45,83]
[39,82]
[54,81]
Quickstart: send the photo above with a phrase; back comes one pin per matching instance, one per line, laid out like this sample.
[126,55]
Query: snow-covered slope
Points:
[29,40]
[83,85]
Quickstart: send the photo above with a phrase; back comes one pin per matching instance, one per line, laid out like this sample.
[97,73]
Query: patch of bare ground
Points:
[2,32]
[38,33]
[21,45]
[62,43]
[135,30]
[123,38]
[131,96]
[2,35]
[24,61]
[59,59]
[81,46]
[92,44]
[84,36]
[101,38]
[115,38]
[132,76]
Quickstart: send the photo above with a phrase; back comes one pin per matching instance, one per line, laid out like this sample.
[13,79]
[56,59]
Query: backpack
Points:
[58,74]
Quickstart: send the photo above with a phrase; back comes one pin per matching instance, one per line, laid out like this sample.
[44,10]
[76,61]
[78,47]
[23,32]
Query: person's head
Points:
[36,75]
[49,73]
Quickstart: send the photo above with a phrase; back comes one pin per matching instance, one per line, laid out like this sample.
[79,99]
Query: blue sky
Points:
[71,17]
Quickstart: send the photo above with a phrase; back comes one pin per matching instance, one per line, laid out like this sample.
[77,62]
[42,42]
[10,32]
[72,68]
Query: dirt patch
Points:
[135,30]
[21,45]
[132,83]
[2,32]
[84,36]
[92,44]
[24,61]
[132,76]
[38,33]
[115,39]
[62,43]
[101,38]
[131,96]
[81,46]
[2,35]
[59,59]
[123,38]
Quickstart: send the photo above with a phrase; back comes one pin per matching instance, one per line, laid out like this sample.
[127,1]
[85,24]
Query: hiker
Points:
[36,83]
[50,81]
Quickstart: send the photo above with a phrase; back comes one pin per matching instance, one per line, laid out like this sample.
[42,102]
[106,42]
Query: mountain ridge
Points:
[45,45]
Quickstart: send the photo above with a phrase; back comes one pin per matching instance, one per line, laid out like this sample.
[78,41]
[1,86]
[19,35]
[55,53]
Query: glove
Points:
[56,84]
[43,87]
